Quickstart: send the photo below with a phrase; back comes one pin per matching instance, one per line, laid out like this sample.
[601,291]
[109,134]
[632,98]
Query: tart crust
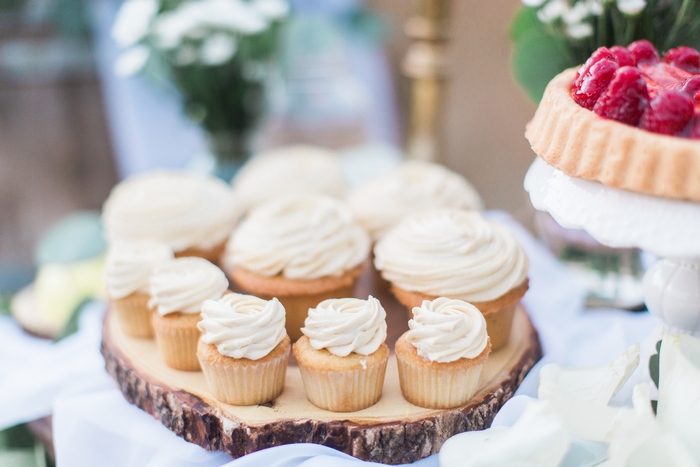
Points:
[584,145]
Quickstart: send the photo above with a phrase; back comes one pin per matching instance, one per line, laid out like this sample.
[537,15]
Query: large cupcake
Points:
[440,358]
[179,288]
[289,170]
[411,188]
[342,356]
[244,348]
[191,213]
[302,249]
[128,268]
[456,254]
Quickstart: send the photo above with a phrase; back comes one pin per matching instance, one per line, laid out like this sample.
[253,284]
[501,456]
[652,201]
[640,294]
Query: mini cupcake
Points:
[302,249]
[244,348]
[440,358]
[193,214]
[342,356]
[289,170]
[456,254]
[179,288]
[128,268]
[411,188]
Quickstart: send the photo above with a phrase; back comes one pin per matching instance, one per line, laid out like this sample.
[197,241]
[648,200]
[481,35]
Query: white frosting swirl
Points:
[345,325]
[300,237]
[183,284]
[243,326]
[413,187]
[179,208]
[451,253]
[289,170]
[445,330]
[129,265]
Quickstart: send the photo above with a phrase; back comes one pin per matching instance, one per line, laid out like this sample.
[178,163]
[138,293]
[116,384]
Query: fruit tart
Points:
[627,118]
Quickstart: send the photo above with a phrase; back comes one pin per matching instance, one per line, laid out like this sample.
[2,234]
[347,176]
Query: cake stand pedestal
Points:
[392,431]
[665,227]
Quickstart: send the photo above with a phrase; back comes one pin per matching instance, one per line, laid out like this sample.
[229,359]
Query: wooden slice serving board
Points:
[393,431]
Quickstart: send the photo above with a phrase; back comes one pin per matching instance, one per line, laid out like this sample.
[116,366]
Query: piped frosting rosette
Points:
[299,237]
[445,330]
[183,284]
[346,325]
[243,326]
[179,208]
[129,265]
[287,170]
[414,187]
[452,253]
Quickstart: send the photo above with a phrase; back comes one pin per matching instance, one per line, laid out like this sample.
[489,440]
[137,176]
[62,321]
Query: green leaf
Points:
[654,365]
[525,23]
[5,300]
[75,237]
[537,58]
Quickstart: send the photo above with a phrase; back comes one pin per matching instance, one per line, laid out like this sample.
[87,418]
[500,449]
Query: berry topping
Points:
[686,58]
[626,97]
[623,57]
[668,113]
[602,53]
[594,82]
[643,52]
[692,87]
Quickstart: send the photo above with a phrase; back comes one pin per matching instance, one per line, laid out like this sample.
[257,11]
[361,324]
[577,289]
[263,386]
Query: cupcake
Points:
[302,249]
[441,356]
[289,170]
[244,348]
[456,254]
[191,213]
[179,288]
[128,268]
[342,356]
[411,188]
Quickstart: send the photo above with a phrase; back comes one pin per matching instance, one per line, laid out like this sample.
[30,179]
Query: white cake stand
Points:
[619,218]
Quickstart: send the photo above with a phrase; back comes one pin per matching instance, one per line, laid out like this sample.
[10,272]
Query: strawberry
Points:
[623,57]
[668,113]
[601,54]
[626,97]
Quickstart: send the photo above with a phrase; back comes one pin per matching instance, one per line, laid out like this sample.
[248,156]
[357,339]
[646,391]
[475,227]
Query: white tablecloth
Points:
[94,425]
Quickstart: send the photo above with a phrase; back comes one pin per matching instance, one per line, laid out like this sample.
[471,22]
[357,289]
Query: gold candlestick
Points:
[425,65]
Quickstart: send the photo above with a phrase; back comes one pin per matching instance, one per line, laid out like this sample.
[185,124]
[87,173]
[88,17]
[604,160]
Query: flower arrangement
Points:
[216,54]
[552,35]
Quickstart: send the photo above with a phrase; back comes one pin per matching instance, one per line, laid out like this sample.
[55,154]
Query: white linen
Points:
[94,425]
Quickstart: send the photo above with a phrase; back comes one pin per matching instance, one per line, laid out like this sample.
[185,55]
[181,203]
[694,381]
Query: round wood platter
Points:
[392,431]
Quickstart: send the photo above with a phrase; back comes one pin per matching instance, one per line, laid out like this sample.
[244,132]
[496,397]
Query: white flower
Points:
[533,3]
[170,28]
[276,9]
[631,7]
[575,15]
[217,49]
[552,10]
[579,31]
[133,20]
[595,7]
[132,60]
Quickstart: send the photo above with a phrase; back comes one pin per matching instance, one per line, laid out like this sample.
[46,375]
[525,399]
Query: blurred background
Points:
[70,127]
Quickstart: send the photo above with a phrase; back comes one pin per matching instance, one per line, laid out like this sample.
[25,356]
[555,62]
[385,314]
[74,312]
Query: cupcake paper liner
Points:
[179,347]
[134,315]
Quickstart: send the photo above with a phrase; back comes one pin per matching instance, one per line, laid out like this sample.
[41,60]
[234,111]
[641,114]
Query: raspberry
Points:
[692,87]
[594,83]
[668,113]
[623,57]
[643,52]
[686,58]
[626,97]
[601,54]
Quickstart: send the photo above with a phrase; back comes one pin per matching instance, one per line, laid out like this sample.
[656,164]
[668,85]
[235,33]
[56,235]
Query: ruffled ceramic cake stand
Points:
[665,227]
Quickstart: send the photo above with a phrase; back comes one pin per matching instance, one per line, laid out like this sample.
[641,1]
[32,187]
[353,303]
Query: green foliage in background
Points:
[19,448]
[553,35]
